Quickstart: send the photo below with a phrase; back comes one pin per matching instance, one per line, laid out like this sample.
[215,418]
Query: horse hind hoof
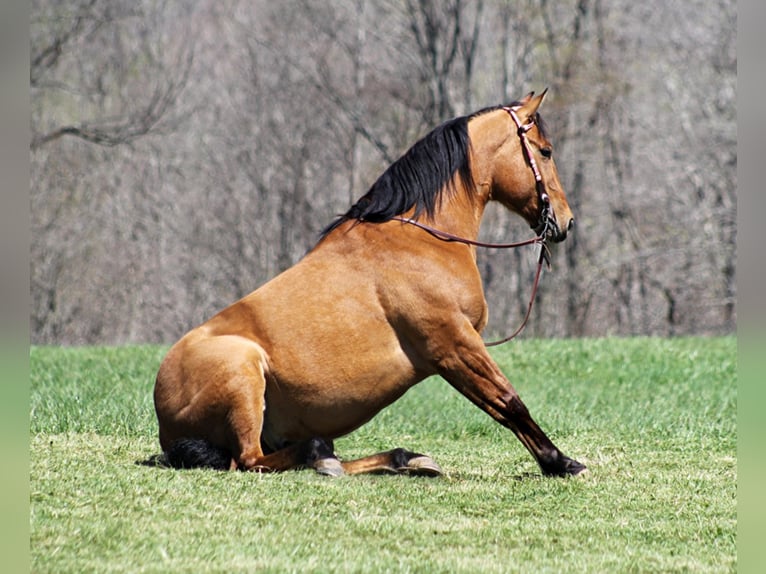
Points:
[329,467]
[421,465]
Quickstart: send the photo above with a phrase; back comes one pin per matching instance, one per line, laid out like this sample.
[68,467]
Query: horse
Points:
[390,294]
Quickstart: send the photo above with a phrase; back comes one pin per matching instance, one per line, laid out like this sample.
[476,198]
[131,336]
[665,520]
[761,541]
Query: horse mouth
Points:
[550,230]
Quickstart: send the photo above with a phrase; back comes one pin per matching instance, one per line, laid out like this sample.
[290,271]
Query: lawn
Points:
[654,420]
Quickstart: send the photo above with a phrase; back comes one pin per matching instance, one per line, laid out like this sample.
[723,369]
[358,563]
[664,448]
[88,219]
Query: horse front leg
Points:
[468,367]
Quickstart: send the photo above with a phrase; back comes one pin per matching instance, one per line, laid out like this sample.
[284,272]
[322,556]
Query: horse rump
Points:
[197,453]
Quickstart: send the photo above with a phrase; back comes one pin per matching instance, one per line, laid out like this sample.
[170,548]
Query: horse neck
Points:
[460,211]
[462,208]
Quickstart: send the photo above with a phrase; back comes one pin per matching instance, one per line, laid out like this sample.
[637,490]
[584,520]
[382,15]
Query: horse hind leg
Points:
[247,425]
[200,453]
[219,426]
[315,453]
[318,454]
[397,461]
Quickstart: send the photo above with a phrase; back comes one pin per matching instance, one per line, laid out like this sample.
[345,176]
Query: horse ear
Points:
[529,105]
[526,98]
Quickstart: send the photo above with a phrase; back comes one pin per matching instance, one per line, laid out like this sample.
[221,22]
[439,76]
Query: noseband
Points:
[542,229]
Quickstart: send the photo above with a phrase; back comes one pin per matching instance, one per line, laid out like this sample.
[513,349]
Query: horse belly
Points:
[334,398]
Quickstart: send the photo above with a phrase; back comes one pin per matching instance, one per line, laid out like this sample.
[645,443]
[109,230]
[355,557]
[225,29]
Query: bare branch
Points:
[112,131]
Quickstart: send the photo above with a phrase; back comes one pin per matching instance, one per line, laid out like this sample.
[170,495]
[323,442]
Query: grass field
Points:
[654,420]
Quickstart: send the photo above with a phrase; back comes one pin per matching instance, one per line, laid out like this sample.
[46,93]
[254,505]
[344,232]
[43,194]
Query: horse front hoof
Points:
[576,469]
[564,466]
[579,469]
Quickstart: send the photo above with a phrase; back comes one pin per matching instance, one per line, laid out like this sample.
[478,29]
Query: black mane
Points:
[421,175]
[418,178]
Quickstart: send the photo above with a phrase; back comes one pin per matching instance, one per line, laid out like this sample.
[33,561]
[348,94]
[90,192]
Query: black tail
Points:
[197,453]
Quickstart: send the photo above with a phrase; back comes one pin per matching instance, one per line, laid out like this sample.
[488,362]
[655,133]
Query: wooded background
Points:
[183,153]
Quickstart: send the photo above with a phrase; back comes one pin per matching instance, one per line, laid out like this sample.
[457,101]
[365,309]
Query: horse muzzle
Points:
[550,229]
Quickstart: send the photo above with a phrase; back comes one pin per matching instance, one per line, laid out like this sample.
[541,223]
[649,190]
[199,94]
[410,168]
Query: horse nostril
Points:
[570,225]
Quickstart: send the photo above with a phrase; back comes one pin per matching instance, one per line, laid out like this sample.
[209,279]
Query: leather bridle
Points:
[546,220]
[546,210]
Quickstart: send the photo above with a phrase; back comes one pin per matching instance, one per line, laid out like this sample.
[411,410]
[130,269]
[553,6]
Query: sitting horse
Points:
[391,294]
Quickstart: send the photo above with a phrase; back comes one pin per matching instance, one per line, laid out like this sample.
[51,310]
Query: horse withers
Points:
[375,307]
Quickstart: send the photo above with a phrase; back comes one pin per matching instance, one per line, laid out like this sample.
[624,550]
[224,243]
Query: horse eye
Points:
[546,152]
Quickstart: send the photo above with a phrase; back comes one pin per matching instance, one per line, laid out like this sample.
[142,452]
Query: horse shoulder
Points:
[436,286]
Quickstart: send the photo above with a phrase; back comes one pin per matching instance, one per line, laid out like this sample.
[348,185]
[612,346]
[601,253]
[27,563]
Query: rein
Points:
[541,229]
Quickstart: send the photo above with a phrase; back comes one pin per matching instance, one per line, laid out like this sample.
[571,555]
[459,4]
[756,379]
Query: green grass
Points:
[654,419]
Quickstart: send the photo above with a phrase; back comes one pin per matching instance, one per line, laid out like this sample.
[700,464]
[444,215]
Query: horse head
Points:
[520,171]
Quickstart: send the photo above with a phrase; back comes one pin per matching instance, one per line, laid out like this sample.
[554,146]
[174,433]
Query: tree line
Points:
[182,154]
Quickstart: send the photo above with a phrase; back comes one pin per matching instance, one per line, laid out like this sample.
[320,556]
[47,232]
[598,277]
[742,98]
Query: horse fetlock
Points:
[319,455]
[316,449]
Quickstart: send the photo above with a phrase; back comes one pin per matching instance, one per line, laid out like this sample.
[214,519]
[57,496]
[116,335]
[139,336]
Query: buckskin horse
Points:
[390,295]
